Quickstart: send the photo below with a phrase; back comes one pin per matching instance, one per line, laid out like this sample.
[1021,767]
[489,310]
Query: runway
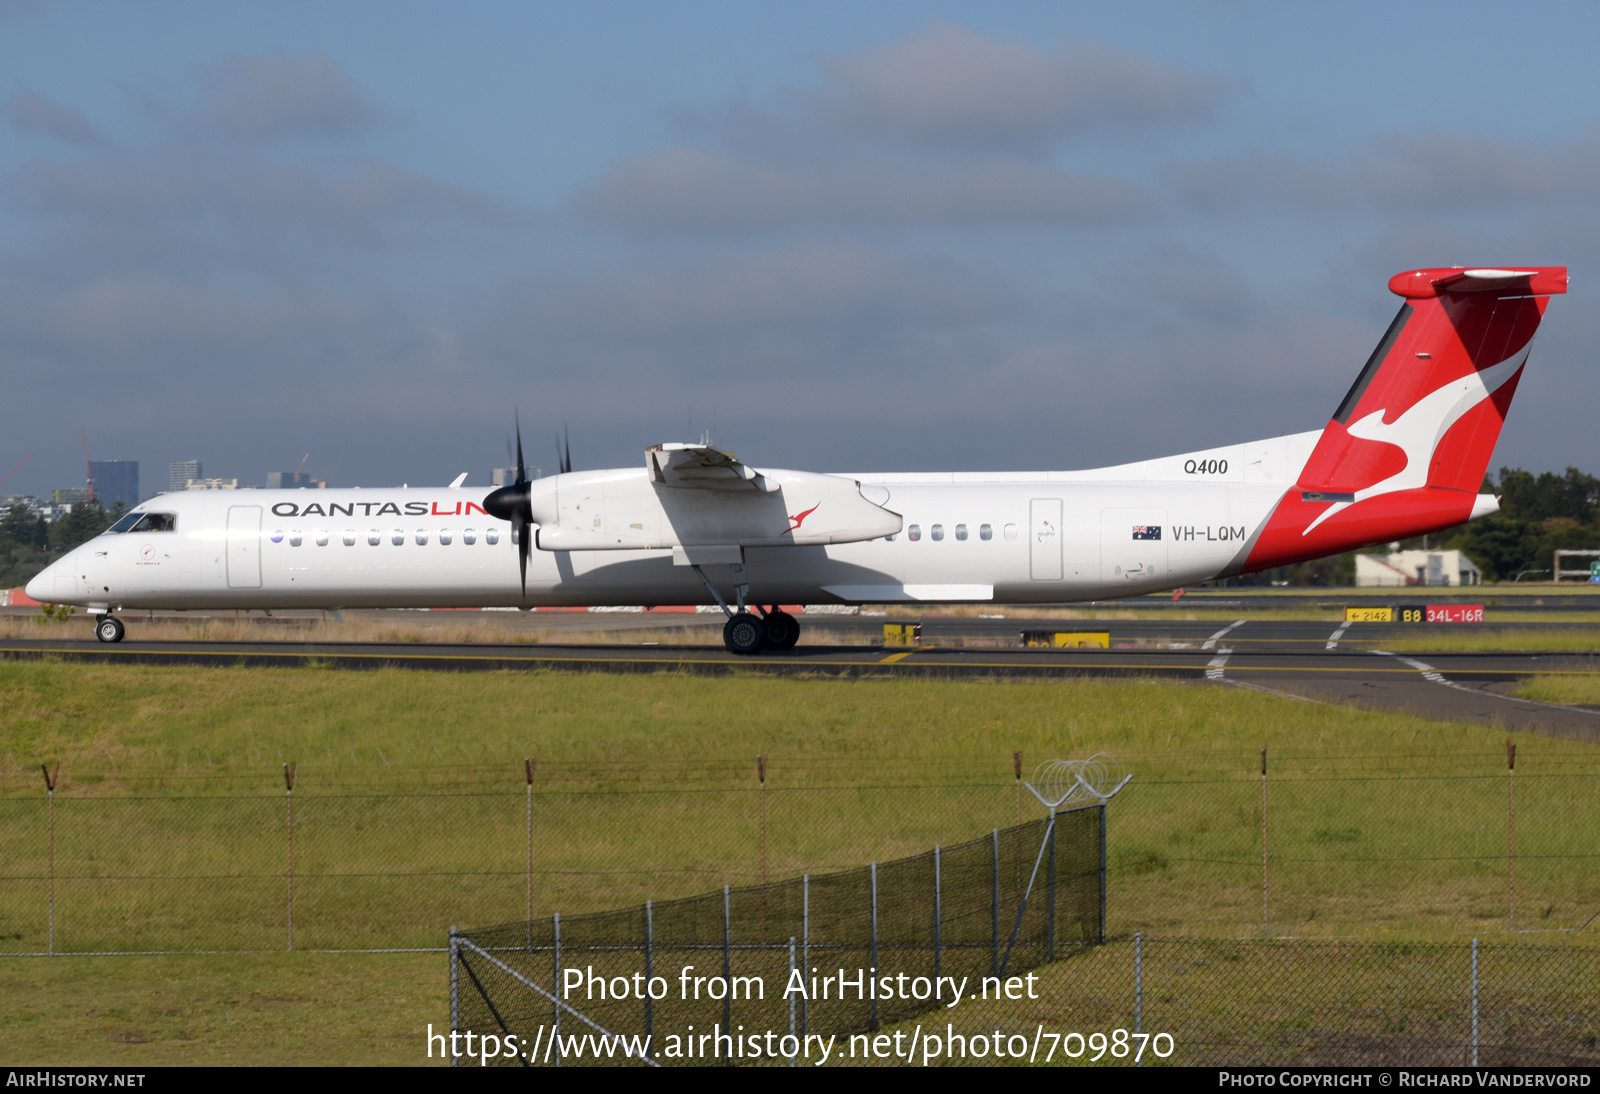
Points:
[1308,661]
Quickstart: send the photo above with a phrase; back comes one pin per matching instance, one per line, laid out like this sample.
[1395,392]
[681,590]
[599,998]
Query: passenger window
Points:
[469,537]
[961,531]
[294,537]
[1011,531]
[914,532]
[444,536]
[491,536]
[517,538]
[398,537]
[985,531]
[891,539]
[349,537]
[156,522]
[322,537]
[422,537]
[938,531]
[373,536]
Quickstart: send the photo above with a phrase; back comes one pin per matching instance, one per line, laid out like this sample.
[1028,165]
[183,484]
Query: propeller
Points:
[564,450]
[512,503]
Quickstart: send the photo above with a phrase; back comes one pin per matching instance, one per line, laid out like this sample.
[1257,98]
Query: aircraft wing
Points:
[702,467]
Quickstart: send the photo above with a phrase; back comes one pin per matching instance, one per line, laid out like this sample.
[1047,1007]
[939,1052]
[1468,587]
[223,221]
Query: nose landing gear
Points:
[109,629]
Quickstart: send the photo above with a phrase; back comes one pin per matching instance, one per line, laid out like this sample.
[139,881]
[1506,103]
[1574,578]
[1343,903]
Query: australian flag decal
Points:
[1147,531]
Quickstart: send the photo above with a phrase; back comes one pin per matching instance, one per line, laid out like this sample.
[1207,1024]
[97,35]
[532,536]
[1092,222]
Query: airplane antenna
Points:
[17,468]
[88,471]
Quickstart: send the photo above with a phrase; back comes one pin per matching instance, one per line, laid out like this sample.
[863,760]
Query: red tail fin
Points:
[1407,449]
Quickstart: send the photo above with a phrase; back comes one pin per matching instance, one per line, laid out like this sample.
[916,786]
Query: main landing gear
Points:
[747,633]
[109,629]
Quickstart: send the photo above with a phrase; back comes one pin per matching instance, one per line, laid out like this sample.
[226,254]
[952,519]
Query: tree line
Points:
[29,543]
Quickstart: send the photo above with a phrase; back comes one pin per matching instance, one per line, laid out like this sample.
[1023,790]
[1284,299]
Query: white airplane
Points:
[1404,454]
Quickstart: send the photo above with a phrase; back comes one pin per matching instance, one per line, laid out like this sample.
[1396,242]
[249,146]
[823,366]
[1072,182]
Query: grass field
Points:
[1488,639]
[411,801]
[1569,690]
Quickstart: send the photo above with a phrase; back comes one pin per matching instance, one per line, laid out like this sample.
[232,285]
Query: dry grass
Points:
[1488,639]
[1567,690]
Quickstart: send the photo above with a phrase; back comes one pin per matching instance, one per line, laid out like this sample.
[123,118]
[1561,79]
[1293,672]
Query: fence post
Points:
[288,801]
[1102,872]
[1050,887]
[649,968]
[1265,916]
[727,967]
[1511,832]
[794,1061]
[936,913]
[761,771]
[556,985]
[455,995]
[1474,1002]
[1138,989]
[874,956]
[805,948]
[994,907]
[50,793]
[1016,867]
[528,766]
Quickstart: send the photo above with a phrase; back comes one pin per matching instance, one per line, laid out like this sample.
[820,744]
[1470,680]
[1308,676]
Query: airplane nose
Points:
[42,581]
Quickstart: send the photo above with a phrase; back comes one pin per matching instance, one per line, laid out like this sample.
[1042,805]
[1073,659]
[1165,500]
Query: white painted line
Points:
[1214,666]
[1211,642]
[1333,639]
[1433,675]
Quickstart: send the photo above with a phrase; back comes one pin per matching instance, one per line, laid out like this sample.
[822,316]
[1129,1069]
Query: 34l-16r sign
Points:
[1417,613]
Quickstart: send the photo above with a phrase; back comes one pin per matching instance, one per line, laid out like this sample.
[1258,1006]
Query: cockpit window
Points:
[125,523]
[154,522]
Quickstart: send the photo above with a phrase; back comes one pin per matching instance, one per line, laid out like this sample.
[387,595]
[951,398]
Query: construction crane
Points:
[17,468]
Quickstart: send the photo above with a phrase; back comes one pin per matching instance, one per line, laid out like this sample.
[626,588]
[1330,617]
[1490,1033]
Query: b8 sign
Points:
[1455,613]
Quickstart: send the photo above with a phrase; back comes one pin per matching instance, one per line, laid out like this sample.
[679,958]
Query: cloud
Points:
[1402,174]
[951,85]
[276,96]
[32,112]
[688,190]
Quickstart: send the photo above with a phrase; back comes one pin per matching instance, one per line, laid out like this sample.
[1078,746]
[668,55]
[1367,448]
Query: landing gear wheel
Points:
[109,629]
[782,630]
[742,634]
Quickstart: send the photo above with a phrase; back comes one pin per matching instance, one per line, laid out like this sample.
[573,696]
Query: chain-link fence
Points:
[1146,1002]
[905,937]
[387,858]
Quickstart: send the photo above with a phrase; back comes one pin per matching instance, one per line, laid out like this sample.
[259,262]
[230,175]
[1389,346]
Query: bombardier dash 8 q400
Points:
[1404,454]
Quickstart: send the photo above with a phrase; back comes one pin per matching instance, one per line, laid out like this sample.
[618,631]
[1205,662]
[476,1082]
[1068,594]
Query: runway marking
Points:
[1214,666]
[1431,674]
[893,657]
[1211,642]
[1333,639]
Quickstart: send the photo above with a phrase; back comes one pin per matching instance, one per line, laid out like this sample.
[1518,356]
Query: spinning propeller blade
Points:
[511,503]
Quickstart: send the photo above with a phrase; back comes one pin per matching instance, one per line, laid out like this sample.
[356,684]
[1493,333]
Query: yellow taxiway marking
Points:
[893,657]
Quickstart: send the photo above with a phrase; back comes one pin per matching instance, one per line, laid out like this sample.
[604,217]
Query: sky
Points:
[832,236]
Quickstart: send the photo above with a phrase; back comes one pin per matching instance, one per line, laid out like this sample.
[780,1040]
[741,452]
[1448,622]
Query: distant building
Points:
[181,472]
[293,480]
[1398,568]
[70,495]
[213,484]
[505,476]
[114,481]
